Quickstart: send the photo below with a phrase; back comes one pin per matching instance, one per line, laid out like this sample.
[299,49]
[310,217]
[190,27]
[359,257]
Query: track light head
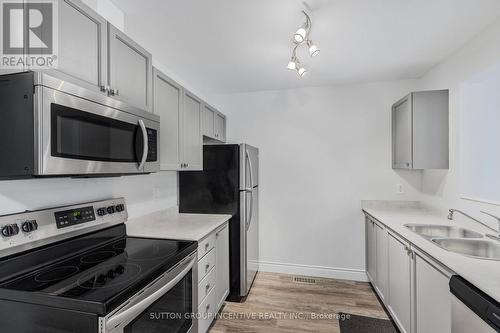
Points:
[313,49]
[300,34]
[292,64]
[301,70]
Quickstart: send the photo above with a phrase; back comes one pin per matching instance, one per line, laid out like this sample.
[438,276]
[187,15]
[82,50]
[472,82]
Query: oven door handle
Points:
[145,143]
[129,312]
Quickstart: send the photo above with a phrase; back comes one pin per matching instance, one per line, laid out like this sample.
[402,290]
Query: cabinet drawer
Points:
[205,245]
[206,312]
[206,285]
[206,264]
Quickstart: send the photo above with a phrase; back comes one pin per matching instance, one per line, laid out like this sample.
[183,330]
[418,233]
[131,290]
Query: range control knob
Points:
[120,208]
[10,230]
[101,211]
[111,209]
[29,226]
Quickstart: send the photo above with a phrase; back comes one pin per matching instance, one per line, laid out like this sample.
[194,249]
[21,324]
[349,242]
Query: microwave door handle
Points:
[145,143]
[134,310]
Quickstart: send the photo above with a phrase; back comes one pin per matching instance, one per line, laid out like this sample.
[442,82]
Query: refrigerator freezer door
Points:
[249,233]
[249,167]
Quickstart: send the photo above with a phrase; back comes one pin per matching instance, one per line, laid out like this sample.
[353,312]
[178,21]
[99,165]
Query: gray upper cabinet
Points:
[84,61]
[420,131]
[209,121]
[130,70]
[192,141]
[168,96]
[220,127]
[214,124]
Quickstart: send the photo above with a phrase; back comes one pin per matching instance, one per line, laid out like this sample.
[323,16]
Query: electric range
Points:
[74,269]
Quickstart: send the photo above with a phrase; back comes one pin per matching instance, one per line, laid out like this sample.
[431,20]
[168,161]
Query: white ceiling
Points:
[234,45]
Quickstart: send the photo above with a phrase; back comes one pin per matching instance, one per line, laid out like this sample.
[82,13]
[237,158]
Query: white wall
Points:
[443,188]
[322,150]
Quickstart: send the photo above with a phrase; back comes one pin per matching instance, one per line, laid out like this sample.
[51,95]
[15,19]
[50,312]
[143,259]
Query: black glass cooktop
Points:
[104,275]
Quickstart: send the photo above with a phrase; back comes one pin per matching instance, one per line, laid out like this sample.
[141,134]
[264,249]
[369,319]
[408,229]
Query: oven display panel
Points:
[75,216]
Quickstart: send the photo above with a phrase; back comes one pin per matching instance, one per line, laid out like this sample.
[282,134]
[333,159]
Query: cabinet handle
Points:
[208,307]
[207,266]
[207,287]
[206,246]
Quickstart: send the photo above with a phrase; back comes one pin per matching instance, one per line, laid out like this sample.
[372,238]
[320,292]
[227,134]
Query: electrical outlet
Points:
[400,189]
[156,193]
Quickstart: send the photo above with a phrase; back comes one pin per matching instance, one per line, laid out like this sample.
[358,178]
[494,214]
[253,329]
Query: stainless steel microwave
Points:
[50,127]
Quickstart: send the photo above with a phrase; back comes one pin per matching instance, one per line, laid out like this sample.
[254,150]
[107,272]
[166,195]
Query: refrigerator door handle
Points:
[249,168]
[251,211]
[247,224]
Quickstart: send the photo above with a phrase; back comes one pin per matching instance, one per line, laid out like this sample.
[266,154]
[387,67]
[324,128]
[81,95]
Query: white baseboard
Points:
[314,271]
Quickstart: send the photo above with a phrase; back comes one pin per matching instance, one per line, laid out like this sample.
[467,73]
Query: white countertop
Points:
[169,224]
[484,274]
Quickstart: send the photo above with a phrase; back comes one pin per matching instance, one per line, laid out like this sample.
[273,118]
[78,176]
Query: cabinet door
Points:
[220,127]
[192,142]
[371,254]
[208,121]
[82,47]
[399,282]
[433,298]
[381,261]
[402,134]
[130,70]
[167,103]
[222,265]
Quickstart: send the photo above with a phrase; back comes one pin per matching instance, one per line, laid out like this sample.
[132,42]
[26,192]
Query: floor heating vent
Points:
[305,280]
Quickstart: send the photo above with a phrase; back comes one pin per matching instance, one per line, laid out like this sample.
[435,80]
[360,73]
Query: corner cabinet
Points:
[213,275]
[413,287]
[214,124]
[420,131]
[130,70]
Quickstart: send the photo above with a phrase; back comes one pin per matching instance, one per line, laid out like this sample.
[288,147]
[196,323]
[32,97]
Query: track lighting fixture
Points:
[301,37]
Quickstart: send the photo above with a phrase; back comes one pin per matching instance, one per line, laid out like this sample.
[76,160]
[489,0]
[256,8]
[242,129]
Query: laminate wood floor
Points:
[278,304]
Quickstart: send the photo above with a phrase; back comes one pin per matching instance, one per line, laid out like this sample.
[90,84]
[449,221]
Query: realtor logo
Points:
[29,34]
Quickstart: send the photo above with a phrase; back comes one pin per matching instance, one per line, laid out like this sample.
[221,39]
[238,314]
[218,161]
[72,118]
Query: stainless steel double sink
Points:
[458,240]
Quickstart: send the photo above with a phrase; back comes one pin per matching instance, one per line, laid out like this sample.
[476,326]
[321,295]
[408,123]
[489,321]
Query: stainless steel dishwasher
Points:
[472,310]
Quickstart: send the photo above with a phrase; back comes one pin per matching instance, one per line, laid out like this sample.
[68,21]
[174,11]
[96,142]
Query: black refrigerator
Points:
[229,184]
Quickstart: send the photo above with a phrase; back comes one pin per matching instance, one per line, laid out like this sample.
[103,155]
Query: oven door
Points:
[79,137]
[165,305]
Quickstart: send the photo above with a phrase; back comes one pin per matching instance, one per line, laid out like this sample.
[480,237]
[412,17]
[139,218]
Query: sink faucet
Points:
[452,211]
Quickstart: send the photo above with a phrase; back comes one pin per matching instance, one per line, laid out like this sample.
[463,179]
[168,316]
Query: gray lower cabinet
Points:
[130,70]
[213,275]
[168,96]
[432,296]
[381,260]
[222,264]
[192,140]
[420,131]
[412,286]
[399,282]
[371,249]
